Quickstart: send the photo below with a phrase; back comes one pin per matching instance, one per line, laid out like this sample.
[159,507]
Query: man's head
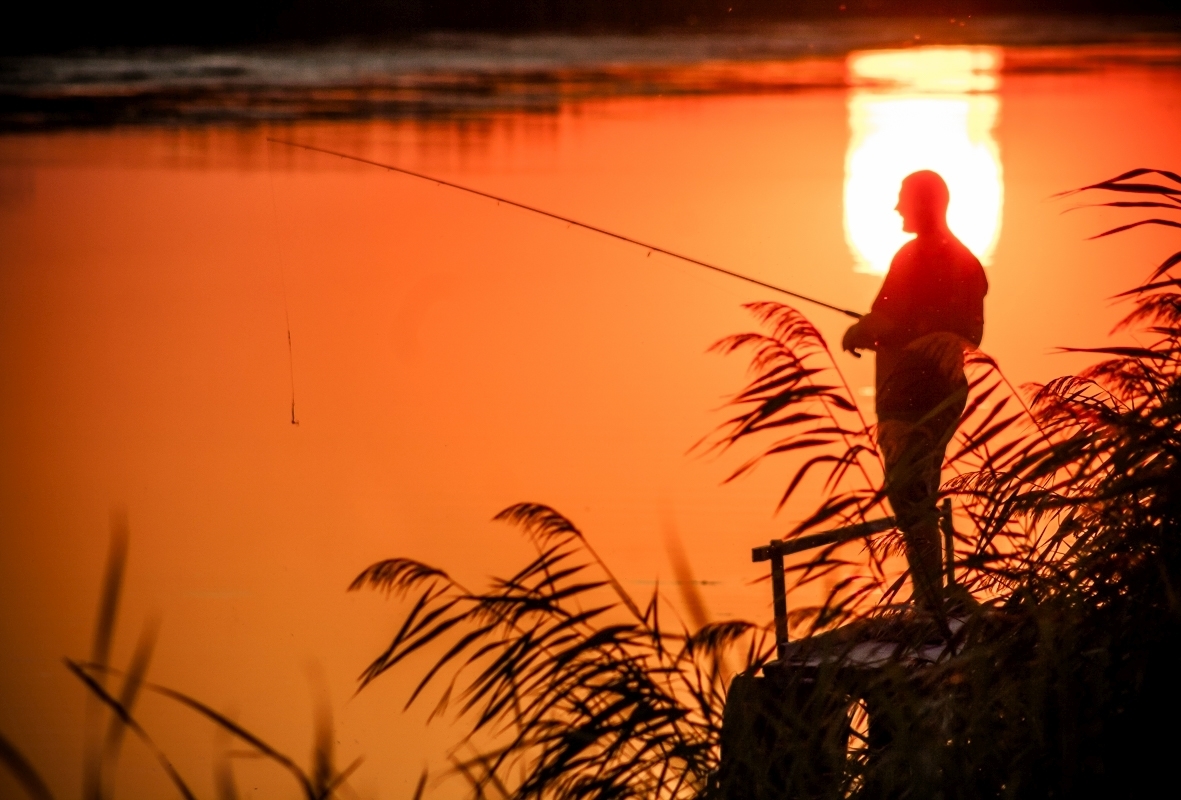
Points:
[922,202]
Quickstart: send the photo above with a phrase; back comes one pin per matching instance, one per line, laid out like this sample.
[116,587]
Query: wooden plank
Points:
[779,601]
[785,547]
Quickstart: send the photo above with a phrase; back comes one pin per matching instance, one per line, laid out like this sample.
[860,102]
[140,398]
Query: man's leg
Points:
[919,406]
[913,458]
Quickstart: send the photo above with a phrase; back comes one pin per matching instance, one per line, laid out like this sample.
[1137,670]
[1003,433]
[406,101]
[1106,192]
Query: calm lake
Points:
[450,356]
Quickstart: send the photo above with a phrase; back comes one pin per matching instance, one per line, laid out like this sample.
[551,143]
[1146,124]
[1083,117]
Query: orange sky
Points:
[451,357]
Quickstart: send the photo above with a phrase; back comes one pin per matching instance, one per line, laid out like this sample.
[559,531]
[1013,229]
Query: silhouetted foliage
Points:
[1058,681]
[102,752]
[564,672]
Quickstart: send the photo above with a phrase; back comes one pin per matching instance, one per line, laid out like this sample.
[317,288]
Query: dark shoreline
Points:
[69,25]
[448,75]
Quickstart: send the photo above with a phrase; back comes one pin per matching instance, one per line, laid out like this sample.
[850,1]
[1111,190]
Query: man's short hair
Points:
[929,188]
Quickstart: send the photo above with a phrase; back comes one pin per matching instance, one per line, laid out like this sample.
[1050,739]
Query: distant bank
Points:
[473,74]
[52,27]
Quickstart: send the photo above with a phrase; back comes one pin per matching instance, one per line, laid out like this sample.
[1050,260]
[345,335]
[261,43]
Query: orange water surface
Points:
[450,356]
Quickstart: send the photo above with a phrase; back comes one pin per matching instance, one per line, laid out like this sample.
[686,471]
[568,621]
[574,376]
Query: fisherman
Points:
[928,313]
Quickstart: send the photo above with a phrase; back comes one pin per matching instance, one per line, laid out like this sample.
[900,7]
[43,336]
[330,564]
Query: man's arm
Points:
[881,323]
[867,332]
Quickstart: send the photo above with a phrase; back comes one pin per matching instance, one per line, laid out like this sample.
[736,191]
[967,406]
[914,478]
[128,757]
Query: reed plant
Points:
[1059,679]
[114,694]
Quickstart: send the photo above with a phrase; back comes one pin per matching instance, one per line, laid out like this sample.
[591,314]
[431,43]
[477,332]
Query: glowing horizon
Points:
[931,108]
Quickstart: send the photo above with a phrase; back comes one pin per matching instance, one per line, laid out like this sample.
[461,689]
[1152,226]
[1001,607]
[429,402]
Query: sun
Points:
[927,108]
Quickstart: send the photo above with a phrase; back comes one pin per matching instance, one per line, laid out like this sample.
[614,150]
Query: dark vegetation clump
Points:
[71,24]
[1058,680]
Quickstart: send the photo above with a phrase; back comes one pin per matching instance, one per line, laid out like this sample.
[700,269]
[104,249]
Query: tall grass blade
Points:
[420,787]
[132,683]
[339,779]
[112,587]
[323,736]
[686,582]
[225,785]
[23,771]
[261,748]
[114,705]
[239,732]
[100,651]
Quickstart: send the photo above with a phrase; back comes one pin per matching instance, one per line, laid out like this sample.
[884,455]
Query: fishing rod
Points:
[586,226]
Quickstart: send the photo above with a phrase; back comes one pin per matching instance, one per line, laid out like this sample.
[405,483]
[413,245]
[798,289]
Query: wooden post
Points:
[948,541]
[779,600]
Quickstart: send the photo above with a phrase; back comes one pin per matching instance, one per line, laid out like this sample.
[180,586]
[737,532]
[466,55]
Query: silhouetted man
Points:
[929,310]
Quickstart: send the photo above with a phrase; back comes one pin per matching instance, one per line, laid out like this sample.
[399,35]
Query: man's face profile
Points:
[906,208]
[922,202]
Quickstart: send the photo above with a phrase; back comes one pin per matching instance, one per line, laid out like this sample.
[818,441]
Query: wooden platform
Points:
[786,728]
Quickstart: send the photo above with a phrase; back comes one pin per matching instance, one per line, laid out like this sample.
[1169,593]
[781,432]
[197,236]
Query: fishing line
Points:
[283,281]
[586,226]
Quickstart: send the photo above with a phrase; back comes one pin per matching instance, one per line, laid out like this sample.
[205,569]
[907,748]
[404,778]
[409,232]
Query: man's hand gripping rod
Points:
[569,221]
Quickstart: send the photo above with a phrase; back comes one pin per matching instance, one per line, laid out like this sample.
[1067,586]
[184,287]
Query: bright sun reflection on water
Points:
[931,108]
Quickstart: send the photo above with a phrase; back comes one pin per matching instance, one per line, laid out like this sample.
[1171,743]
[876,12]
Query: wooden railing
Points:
[779,548]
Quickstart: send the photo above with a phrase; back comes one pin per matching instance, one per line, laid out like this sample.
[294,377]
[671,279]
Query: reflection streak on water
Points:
[932,108]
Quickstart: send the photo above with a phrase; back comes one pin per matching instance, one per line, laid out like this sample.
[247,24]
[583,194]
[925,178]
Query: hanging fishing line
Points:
[283,281]
[569,221]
